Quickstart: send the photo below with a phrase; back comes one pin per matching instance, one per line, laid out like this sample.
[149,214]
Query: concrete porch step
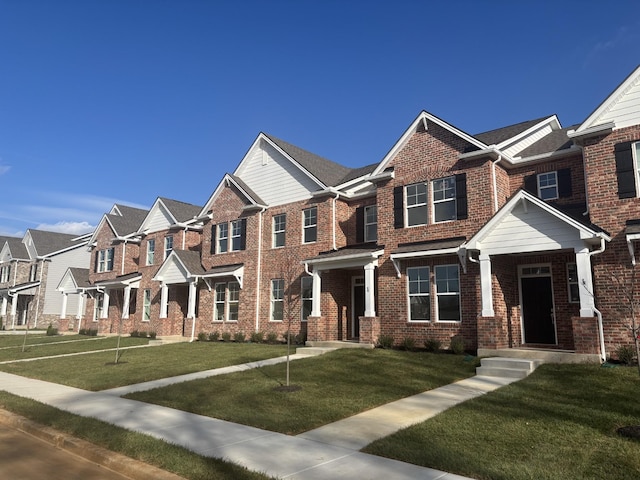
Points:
[313,351]
[506,367]
[339,344]
[169,339]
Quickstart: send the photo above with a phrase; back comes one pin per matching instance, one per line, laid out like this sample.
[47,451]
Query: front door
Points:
[357,306]
[538,314]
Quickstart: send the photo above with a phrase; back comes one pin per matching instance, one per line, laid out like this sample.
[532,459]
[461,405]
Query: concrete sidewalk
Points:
[275,454]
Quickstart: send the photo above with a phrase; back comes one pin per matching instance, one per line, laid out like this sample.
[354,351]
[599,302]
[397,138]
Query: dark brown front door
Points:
[537,310]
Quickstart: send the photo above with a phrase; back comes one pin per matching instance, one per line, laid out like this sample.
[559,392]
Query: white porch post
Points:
[63,311]
[164,300]
[191,309]
[126,301]
[316,289]
[585,282]
[369,290]
[80,310]
[485,284]
[3,307]
[104,313]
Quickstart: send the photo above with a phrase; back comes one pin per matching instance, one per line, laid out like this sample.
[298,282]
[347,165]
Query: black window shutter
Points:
[531,184]
[95,265]
[461,196]
[243,234]
[214,238]
[564,183]
[398,207]
[624,170]
[359,224]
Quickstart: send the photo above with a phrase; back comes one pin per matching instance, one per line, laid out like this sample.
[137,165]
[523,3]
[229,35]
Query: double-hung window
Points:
[548,185]
[572,283]
[419,299]
[151,250]
[105,260]
[279,228]
[227,296]
[33,272]
[231,236]
[5,273]
[223,237]
[444,199]
[310,225]
[277,299]
[448,292]
[371,223]
[146,305]
[168,245]
[306,296]
[417,210]
[236,235]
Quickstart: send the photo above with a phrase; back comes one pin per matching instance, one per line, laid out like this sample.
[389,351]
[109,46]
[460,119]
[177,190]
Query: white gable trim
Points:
[224,183]
[157,205]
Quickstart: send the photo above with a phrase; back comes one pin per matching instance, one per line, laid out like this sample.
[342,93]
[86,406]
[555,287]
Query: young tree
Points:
[290,273]
[629,305]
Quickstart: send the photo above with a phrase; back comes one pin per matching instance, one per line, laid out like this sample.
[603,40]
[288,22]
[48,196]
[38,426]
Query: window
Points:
[548,186]
[223,237]
[419,301]
[5,273]
[448,292]
[236,235]
[444,199]
[371,223]
[416,204]
[97,306]
[146,307]
[168,245]
[627,155]
[151,249]
[310,225]
[277,299]
[227,296]
[572,283]
[104,259]
[306,296]
[33,272]
[279,227]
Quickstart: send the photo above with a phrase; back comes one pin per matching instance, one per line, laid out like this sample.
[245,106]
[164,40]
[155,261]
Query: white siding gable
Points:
[528,141]
[5,253]
[67,284]
[625,108]
[158,219]
[172,272]
[78,257]
[28,243]
[273,177]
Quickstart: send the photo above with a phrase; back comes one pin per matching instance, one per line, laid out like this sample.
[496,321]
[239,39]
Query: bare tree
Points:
[290,273]
[630,303]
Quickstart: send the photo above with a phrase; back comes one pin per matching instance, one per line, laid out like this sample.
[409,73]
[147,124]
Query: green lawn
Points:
[135,445]
[97,371]
[332,386]
[559,423]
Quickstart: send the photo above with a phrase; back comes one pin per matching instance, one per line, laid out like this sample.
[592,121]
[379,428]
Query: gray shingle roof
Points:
[359,172]
[553,142]
[46,243]
[81,276]
[254,196]
[181,211]
[130,220]
[17,248]
[191,260]
[363,248]
[499,135]
[440,244]
[221,270]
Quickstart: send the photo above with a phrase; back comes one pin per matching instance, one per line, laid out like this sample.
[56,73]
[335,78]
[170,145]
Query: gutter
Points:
[495,182]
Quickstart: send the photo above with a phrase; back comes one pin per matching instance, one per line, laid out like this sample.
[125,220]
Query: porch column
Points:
[191,309]
[104,313]
[585,282]
[315,296]
[486,287]
[63,311]
[3,306]
[80,310]
[14,309]
[126,301]
[369,290]
[164,300]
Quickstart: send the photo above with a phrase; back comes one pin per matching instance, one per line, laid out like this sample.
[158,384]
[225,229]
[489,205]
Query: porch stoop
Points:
[543,355]
[507,367]
[318,348]
[169,339]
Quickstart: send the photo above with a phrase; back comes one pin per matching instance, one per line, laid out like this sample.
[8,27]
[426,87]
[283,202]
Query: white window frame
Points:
[277,297]
[222,238]
[310,215]
[236,236]
[98,303]
[448,194]
[371,223]
[306,300]
[5,273]
[416,204]
[146,305]
[151,251]
[571,282]
[544,184]
[229,302]
[105,260]
[33,272]
[449,291]
[168,245]
[219,302]
[279,230]
[420,292]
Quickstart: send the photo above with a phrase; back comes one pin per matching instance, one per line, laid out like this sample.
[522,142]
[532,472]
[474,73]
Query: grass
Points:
[559,423]
[11,347]
[333,386]
[135,445]
[97,371]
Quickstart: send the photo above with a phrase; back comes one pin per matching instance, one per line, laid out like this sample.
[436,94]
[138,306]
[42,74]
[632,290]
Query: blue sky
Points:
[122,101]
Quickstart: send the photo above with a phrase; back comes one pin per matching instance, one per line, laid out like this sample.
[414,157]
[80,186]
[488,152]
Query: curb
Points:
[119,463]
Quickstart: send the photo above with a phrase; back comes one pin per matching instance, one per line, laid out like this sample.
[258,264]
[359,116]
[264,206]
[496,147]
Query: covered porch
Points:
[18,301]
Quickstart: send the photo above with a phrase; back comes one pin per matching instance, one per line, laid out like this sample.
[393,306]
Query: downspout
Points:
[333,223]
[259,268]
[495,182]
[603,354]
[193,323]
[124,254]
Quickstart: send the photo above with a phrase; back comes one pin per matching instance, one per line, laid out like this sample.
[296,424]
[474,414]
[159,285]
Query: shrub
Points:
[152,335]
[1,323]
[202,336]
[92,332]
[239,337]
[226,337]
[143,334]
[625,354]
[214,336]
[257,337]
[408,344]
[82,331]
[135,333]
[272,337]
[300,339]
[457,345]
[432,344]
[385,341]
[51,331]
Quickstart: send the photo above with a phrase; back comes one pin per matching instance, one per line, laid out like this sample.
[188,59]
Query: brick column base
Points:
[492,333]
[319,330]
[369,329]
[585,334]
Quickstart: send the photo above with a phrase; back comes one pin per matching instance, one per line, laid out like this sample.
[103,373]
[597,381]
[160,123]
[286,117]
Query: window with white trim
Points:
[419,299]
[236,235]
[277,300]
[306,296]
[146,305]
[444,199]
[279,229]
[572,283]
[223,237]
[310,225]
[5,273]
[448,292]
[168,245]
[548,185]
[371,223]
[33,272]
[417,209]
[104,260]
[98,303]
[151,250]
[227,296]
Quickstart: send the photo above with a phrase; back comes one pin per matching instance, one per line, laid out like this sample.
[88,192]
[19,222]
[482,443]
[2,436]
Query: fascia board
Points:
[552,121]
[573,149]
[345,261]
[425,253]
